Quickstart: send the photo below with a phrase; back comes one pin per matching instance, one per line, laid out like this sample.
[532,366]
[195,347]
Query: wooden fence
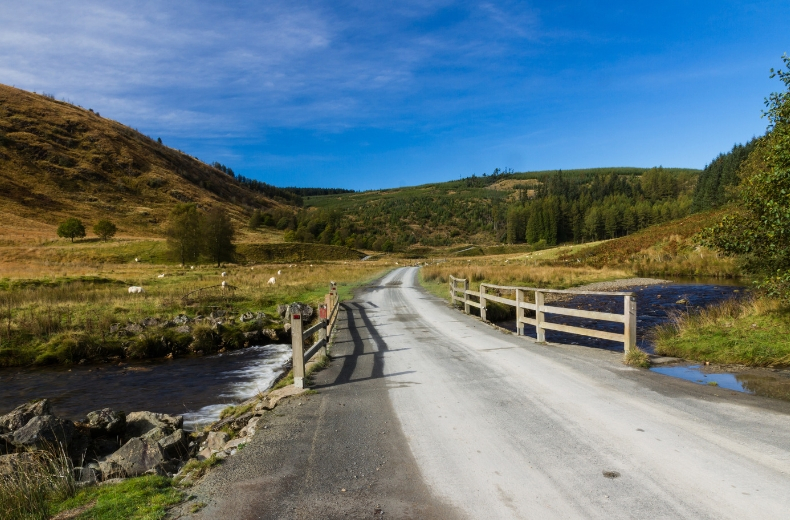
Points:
[628,318]
[327,316]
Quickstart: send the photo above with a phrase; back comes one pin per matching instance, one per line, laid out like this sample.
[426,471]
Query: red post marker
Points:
[322,312]
[297,317]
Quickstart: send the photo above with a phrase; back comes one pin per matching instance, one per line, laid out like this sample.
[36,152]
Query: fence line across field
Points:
[327,314]
[628,318]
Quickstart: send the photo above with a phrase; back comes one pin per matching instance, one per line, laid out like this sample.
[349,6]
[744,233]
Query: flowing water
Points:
[655,305]
[197,388]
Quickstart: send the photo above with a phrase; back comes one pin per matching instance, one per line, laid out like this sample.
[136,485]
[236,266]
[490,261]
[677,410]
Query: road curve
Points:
[427,413]
[501,427]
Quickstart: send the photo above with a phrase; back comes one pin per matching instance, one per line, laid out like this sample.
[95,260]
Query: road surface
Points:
[428,413]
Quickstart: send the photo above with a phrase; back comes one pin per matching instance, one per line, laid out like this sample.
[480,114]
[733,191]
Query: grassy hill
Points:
[472,210]
[59,160]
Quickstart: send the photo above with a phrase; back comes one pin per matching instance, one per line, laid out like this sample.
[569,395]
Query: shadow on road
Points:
[372,345]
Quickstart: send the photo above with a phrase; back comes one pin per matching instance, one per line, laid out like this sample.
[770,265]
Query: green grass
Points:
[636,358]
[752,333]
[143,498]
[194,469]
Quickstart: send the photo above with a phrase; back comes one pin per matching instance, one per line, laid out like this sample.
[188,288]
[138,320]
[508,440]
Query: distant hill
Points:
[59,160]
[497,208]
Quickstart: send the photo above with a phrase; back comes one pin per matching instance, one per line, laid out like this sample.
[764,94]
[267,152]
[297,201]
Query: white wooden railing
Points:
[327,314]
[628,318]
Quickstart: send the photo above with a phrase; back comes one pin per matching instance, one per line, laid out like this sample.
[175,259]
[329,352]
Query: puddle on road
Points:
[764,382]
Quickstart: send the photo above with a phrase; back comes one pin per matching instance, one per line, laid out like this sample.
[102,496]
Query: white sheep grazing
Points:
[161,275]
[136,259]
[134,289]
[279,273]
[191,266]
[224,274]
[271,281]
[224,284]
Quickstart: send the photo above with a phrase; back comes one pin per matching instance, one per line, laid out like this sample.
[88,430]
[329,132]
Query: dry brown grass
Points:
[501,271]
[58,160]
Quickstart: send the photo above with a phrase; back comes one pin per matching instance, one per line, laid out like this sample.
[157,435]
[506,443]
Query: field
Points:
[61,302]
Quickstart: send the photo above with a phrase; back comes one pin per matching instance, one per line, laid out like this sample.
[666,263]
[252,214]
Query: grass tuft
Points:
[636,358]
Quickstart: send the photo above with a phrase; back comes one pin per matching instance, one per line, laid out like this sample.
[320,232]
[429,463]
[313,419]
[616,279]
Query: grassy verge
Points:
[146,497]
[752,333]
[636,358]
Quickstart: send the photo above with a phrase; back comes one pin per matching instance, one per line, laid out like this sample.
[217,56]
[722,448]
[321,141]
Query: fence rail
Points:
[327,315]
[628,318]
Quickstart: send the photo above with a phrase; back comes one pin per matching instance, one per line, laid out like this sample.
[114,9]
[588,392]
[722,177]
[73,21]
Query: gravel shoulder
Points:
[337,453]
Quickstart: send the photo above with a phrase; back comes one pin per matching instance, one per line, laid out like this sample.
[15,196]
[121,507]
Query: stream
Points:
[654,303]
[197,387]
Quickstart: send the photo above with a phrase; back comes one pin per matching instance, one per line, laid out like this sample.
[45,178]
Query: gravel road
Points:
[428,413]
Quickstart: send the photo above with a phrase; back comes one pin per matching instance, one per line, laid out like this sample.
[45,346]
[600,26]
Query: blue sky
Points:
[363,95]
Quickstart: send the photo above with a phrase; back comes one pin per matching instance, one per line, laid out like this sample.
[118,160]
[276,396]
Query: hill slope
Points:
[490,209]
[59,160]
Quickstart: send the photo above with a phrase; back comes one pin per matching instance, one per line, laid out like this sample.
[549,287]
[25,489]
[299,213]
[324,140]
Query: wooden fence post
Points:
[297,346]
[541,334]
[519,312]
[630,323]
[466,297]
[482,302]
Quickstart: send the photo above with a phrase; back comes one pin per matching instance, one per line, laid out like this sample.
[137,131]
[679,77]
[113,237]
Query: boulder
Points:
[157,434]
[22,414]
[183,329]
[106,422]
[133,459]
[247,316]
[282,310]
[88,474]
[149,322]
[175,446]
[15,462]
[134,328]
[181,319]
[6,443]
[79,449]
[44,431]
[235,443]
[251,428]
[103,447]
[271,334]
[140,423]
[297,308]
[216,440]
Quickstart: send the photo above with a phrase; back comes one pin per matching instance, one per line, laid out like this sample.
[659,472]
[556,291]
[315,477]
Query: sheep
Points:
[134,289]
[224,285]
[136,259]
[191,266]
[161,275]
[279,272]
[271,281]
[224,274]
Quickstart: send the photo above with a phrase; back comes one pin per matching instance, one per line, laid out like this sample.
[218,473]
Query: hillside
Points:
[496,208]
[59,160]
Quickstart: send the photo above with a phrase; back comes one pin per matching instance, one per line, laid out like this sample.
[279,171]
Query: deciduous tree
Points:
[185,233]
[71,228]
[105,229]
